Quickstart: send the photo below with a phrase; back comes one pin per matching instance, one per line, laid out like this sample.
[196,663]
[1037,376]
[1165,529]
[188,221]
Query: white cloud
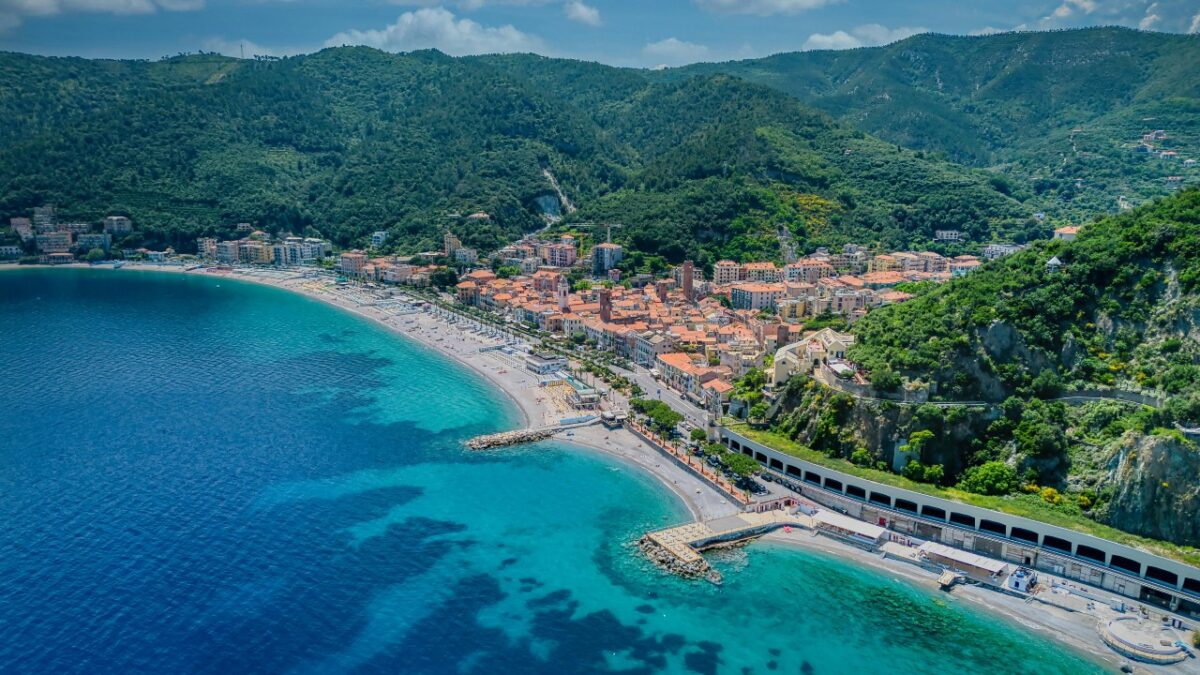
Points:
[14,12]
[577,11]
[988,30]
[1150,18]
[764,7]
[675,52]
[1165,15]
[470,5]
[867,35]
[438,28]
[1195,27]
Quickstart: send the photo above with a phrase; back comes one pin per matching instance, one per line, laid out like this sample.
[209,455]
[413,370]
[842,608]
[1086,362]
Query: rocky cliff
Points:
[1154,483]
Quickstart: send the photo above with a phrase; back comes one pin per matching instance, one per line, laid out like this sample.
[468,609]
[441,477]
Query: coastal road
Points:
[693,415]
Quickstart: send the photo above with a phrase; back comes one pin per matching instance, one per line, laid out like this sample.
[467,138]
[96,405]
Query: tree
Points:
[444,277]
[934,473]
[661,416]
[758,411]
[861,457]
[507,271]
[917,441]
[698,435]
[914,470]
[921,473]
[990,478]
[741,464]
[885,380]
[95,255]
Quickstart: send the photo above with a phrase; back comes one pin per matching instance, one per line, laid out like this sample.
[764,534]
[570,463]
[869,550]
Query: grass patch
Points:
[1025,506]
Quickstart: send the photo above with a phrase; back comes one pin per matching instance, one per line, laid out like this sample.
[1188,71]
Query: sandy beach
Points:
[505,373]
[1075,628]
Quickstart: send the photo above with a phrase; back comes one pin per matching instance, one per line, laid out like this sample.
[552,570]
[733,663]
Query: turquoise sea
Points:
[203,475]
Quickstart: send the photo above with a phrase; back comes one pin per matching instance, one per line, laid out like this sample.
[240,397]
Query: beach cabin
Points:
[849,529]
[545,363]
[973,566]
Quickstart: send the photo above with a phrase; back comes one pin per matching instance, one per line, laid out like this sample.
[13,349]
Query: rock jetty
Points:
[509,438]
[696,568]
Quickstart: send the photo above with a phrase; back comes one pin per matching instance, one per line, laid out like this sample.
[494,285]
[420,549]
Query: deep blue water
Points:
[202,475]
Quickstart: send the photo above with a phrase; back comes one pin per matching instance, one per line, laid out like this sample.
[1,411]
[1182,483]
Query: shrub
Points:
[1051,496]
[990,478]
[885,380]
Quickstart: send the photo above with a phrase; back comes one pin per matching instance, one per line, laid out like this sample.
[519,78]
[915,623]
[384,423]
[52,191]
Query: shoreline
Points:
[1074,631]
[698,498]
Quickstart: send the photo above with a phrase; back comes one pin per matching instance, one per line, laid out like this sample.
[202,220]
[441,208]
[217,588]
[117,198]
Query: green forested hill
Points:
[1062,108]
[1121,311]
[352,140]
[707,161]
[346,140]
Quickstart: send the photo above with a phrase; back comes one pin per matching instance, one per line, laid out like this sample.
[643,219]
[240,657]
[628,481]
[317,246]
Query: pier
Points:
[519,436]
[677,549]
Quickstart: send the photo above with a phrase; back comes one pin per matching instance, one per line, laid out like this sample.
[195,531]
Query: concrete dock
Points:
[677,549]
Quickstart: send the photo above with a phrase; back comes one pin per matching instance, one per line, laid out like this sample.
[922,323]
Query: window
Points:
[1024,535]
[1192,585]
[905,505]
[856,492]
[933,512]
[1123,563]
[760,457]
[735,445]
[1051,541]
[831,484]
[879,498]
[962,519]
[1157,574]
[993,527]
[776,464]
[810,477]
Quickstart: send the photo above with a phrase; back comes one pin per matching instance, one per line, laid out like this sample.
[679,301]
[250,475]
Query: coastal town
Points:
[536,316]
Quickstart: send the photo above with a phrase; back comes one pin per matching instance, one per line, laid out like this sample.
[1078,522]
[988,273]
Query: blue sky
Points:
[619,32]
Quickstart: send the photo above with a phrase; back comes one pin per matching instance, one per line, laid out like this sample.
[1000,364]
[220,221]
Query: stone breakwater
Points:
[509,438]
[692,568]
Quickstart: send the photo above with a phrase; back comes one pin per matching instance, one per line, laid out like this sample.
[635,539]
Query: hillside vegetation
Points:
[352,140]
[1029,351]
[1062,109]
[1121,311]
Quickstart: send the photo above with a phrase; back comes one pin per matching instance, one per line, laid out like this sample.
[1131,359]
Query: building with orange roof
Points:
[727,272]
[1066,233]
[762,272]
[756,296]
[883,279]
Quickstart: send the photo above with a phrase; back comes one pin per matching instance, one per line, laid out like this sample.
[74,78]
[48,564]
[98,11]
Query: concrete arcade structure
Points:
[1124,570]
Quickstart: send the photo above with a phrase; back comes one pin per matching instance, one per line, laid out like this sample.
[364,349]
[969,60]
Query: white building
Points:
[118,226]
[605,257]
[90,241]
